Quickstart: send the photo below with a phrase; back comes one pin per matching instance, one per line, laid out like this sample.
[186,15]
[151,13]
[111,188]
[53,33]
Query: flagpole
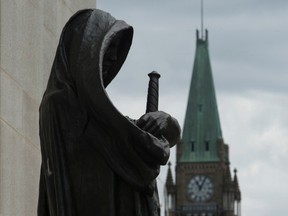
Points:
[202,20]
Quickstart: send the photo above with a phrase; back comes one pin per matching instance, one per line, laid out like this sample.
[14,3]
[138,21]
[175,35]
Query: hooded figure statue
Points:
[95,161]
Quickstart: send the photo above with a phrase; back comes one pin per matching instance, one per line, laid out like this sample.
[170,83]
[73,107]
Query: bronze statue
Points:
[95,161]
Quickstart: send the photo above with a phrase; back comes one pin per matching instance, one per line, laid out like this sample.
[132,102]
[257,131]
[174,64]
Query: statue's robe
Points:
[94,160]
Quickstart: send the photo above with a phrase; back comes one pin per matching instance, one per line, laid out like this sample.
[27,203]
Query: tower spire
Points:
[202,130]
[169,178]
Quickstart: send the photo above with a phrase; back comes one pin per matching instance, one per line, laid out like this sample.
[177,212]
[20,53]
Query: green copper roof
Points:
[202,125]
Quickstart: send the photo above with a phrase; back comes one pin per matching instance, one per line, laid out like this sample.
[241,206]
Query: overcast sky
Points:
[248,44]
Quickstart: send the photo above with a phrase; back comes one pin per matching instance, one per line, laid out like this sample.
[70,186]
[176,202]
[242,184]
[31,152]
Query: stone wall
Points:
[29,31]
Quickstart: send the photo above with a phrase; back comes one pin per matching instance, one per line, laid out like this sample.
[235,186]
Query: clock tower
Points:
[204,185]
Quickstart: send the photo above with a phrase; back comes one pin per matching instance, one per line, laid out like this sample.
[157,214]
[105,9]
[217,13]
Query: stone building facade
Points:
[29,31]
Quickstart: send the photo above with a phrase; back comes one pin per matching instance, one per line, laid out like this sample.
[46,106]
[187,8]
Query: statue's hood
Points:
[85,40]
[78,63]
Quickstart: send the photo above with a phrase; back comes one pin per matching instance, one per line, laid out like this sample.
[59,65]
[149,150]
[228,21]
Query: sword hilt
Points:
[153,92]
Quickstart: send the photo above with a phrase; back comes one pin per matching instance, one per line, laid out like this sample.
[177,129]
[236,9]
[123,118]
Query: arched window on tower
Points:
[192,145]
[207,147]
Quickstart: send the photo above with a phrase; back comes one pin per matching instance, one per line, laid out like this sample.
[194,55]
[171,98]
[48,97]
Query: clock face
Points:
[200,188]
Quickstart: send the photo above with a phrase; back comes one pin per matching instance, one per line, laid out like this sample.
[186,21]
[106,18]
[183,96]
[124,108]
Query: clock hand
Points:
[197,183]
[202,183]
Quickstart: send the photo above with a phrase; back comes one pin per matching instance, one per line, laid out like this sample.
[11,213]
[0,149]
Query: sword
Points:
[152,106]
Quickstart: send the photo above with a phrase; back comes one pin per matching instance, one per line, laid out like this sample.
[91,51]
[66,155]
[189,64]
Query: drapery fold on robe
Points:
[94,160]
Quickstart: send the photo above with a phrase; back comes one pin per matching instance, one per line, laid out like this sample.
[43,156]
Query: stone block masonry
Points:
[29,34]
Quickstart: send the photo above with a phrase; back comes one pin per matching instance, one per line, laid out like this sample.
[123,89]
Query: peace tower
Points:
[204,185]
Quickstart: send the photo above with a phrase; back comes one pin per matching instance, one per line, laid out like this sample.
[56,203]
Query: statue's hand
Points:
[160,124]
